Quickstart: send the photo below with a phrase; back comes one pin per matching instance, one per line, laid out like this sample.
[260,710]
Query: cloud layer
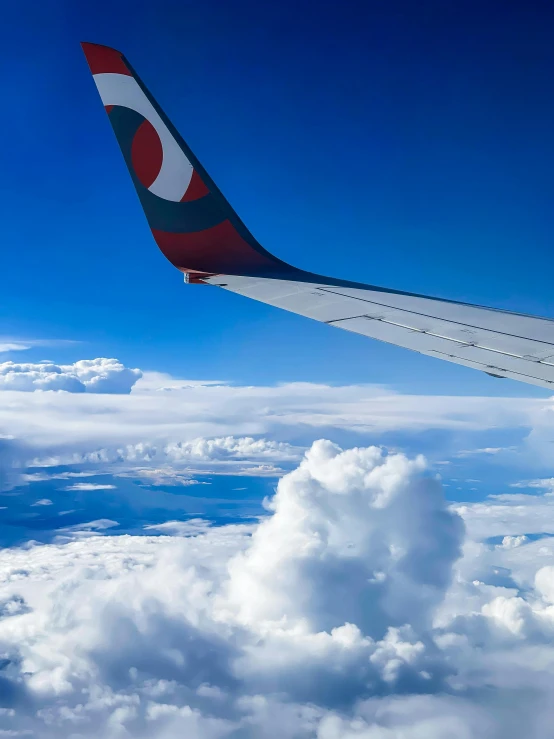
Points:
[326,602]
[165,431]
[166,421]
[360,607]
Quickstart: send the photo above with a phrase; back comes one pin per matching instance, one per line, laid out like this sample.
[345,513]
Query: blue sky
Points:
[401,145]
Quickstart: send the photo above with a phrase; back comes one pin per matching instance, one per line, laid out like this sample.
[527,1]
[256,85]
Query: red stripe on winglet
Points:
[219,250]
[196,189]
[147,153]
[104,59]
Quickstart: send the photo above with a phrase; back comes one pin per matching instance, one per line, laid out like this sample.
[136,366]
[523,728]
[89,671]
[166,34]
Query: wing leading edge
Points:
[201,235]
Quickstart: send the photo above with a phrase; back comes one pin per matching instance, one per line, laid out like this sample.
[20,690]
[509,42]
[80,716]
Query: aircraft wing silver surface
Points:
[201,235]
[500,343]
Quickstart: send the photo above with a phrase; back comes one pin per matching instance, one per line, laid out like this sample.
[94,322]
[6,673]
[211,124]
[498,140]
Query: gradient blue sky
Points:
[404,144]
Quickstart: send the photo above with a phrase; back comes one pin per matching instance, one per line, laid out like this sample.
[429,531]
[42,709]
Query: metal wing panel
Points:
[297,297]
[498,342]
[475,356]
[516,324]
[520,377]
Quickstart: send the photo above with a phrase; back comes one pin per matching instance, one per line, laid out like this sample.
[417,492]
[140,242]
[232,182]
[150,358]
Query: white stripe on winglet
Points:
[176,172]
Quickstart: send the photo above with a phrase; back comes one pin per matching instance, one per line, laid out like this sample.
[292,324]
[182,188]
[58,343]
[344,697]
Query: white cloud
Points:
[160,476]
[355,514]
[82,531]
[180,460]
[11,344]
[43,476]
[85,376]
[485,450]
[261,470]
[84,486]
[182,528]
[512,515]
[510,542]
[413,717]
[229,447]
[542,484]
[42,502]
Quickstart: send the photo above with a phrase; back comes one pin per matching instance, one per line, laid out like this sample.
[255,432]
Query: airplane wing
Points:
[200,234]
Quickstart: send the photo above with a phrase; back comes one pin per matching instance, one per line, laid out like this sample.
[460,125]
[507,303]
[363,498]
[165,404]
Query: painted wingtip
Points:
[102,58]
[88,45]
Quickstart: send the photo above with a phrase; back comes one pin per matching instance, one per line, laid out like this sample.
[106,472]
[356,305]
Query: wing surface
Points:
[500,343]
[201,235]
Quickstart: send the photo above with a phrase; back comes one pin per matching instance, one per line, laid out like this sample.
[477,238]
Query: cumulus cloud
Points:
[85,376]
[196,450]
[359,607]
[375,538]
[278,629]
[509,542]
[174,462]
[229,447]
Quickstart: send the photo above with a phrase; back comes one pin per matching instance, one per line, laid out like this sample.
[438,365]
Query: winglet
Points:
[192,223]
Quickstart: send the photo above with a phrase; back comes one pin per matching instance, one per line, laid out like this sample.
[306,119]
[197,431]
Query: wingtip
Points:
[90,46]
[103,58]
